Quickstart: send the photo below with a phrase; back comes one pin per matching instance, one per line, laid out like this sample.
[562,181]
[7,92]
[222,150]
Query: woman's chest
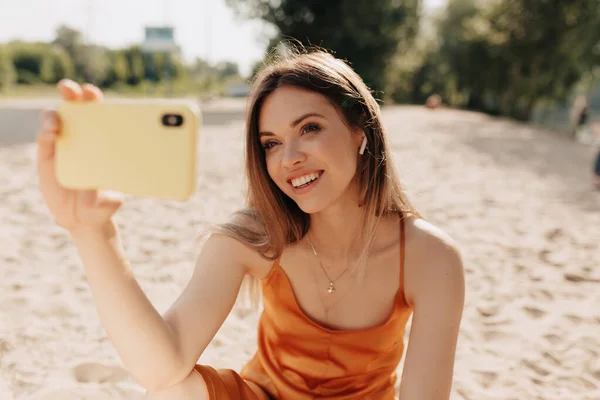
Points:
[337,298]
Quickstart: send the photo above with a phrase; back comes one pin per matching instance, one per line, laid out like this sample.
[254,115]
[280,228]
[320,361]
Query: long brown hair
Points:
[271,221]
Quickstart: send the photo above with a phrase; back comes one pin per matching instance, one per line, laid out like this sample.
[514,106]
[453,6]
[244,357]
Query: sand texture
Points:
[517,200]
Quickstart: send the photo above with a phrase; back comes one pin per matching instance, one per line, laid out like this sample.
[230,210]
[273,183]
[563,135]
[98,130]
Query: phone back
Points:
[132,147]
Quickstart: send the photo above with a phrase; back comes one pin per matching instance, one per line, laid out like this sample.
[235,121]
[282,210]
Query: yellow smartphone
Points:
[143,148]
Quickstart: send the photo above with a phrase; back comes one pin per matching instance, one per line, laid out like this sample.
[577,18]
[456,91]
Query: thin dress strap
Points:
[272,271]
[402,257]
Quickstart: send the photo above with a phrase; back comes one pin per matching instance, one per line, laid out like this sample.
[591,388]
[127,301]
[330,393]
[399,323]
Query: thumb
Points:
[46,137]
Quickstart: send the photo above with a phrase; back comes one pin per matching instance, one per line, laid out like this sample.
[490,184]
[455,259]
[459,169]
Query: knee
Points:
[192,387]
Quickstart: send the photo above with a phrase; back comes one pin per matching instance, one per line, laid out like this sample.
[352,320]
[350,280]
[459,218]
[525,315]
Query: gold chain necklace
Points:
[331,287]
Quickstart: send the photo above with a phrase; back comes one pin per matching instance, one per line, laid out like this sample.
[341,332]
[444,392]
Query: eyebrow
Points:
[294,123]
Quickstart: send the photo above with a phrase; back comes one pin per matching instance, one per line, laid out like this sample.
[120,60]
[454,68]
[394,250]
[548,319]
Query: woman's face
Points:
[311,154]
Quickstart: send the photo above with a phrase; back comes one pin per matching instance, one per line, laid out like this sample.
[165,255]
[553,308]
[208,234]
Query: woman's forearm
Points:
[147,346]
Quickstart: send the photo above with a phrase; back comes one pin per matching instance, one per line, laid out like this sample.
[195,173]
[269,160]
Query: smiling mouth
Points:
[305,181]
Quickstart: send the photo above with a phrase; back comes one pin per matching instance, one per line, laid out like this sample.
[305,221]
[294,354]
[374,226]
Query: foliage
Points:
[8,74]
[497,56]
[367,34]
[128,70]
[120,70]
[504,57]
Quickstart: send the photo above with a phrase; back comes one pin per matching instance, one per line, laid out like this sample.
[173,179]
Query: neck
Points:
[337,232]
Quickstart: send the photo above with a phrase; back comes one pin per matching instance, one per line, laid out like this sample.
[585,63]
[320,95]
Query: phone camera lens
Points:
[172,120]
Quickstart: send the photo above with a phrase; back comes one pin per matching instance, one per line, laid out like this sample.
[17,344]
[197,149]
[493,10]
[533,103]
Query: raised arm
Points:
[157,351]
[200,310]
[435,289]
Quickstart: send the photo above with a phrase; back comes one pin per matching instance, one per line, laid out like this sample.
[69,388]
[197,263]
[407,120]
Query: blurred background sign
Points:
[160,39]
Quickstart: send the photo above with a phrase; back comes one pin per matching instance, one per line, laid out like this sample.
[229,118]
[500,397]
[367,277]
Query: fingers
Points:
[46,144]
[70,90]
[91,92]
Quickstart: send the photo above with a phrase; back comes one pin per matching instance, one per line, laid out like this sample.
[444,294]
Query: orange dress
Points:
[298,359]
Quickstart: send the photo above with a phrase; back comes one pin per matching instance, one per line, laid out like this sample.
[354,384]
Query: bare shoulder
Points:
[234,249]
[429,239]
[434,265]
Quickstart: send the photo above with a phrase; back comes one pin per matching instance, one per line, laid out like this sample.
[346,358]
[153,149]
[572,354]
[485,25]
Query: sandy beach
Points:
[517,199]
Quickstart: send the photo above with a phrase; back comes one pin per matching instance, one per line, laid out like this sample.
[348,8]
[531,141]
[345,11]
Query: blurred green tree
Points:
[8,74]
[27,60]
[71,40]
[154,64]
[227,69]
[120,67]
[56,65]
[91,62]
[366,33]
[95,65]
[135,62]
[176,69]
[505,56]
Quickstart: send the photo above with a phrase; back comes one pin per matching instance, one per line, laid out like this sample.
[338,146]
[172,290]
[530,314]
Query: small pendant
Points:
[331,289]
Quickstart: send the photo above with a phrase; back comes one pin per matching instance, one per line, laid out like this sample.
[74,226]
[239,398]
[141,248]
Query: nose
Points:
[292,155]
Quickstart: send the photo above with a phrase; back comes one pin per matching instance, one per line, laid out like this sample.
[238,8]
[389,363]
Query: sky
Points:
[203,28]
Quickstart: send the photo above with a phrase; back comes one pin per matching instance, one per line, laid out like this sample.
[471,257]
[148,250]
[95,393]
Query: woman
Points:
[342,257]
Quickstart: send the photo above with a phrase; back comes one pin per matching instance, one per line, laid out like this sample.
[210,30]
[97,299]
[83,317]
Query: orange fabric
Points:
[225,384]
[298,359]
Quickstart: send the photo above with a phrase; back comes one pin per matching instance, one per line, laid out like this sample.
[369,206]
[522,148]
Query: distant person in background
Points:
[582,131]
[575,115]
[434,101]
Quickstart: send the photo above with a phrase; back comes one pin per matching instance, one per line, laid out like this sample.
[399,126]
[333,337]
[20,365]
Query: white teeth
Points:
[304,179]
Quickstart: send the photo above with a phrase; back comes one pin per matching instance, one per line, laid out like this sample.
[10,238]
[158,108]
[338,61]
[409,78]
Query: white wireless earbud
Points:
[363,146]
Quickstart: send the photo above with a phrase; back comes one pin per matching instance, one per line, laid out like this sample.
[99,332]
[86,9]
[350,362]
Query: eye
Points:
[310,127]
[269,144]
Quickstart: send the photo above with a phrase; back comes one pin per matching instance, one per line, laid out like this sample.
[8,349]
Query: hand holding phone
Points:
[71,208]
[91,146]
